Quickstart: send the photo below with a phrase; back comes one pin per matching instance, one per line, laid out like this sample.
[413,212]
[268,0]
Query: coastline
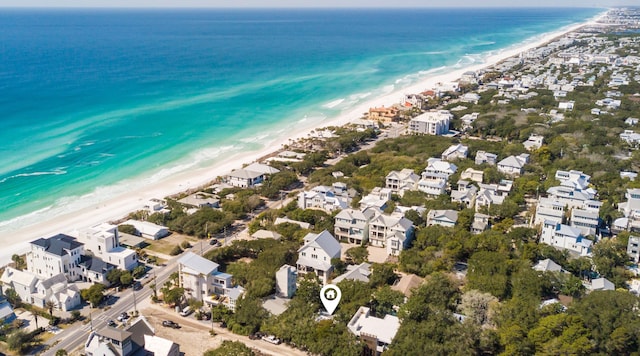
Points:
[120,205]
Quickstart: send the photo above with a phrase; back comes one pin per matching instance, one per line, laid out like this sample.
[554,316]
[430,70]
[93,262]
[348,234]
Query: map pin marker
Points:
[330,296]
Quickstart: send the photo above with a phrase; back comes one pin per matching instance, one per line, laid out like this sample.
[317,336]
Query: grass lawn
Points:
[166,244]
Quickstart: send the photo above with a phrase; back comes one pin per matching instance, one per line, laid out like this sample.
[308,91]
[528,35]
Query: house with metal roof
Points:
[202,281]
[316,254]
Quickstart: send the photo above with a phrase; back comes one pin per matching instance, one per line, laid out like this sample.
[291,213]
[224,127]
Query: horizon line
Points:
[315,7]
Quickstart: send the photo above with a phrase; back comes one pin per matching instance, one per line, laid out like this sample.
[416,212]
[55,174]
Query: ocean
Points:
[98,102]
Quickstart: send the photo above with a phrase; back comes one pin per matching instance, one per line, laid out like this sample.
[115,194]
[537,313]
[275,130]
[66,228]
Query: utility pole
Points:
[135,306]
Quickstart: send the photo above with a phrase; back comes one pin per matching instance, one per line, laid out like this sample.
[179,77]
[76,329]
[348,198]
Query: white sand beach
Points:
[121,205]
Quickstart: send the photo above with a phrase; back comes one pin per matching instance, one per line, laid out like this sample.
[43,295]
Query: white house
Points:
[202,281]
[565,237]
[446,218]
[438,168]
[547,265]
[286,278]
[377,199]
[433,187]
[550,210]
[402,181]
[324,198]
[466,193]
[486,157]
[533,142]
[480,223]
[147,229]
[38,292]
[250,176]
[566,105]
[383,227]
[513,165]
[375,333]
[431,123]
[587,221]
[472,175]
[633,249]
[600,284]
[316,254]
[576,179]
[54,255]
[458,151]
[103,241]
[353,225]
[630,137]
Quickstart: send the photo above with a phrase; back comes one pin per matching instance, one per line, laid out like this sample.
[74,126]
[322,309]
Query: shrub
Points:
[176,251]
[185,245]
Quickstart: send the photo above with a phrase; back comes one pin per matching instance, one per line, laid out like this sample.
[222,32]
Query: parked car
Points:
[170,324]
[255,336]
[223,324]
[272,339]
[186,311]
[111,323]
[213,242]
[123,317]
[137,286]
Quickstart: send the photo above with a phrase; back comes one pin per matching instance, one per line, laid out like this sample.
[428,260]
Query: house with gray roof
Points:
[316,254]
[38,291]
[250,176]
[110,341]
[446,218]
[57,254]
[360,273]
[352,225]
[202,281]
[393,232]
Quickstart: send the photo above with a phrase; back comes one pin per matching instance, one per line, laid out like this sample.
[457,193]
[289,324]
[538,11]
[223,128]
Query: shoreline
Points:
[123,203]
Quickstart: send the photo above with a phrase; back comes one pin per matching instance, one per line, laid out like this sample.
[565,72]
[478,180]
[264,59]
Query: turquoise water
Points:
[92,98]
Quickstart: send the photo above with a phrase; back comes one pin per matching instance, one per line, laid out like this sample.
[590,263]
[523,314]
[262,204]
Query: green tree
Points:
[49,305]
[61,352]
[488,272]
[382,274]
[357,255]
[384,300]
[114,275]
[230,348]
[12,297]
[128,229]
[93,294]
[18,262]
[173,296]
[139,271]
[126,278]
[18,340]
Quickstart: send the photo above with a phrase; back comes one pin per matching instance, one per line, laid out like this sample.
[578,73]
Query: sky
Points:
[316,3]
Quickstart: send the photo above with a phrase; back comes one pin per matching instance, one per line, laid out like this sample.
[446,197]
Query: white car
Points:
[272,339]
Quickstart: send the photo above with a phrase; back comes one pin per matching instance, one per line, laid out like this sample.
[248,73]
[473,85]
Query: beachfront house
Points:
[431,123]
[54,255]
[250,176]
[316,254]
[202,281]
[375,333]
[103,241]
[147,229]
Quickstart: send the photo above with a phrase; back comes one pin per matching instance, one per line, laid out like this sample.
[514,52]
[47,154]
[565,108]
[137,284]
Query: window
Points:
[314,256]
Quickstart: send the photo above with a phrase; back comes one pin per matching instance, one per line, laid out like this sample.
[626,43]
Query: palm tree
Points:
[49,305]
